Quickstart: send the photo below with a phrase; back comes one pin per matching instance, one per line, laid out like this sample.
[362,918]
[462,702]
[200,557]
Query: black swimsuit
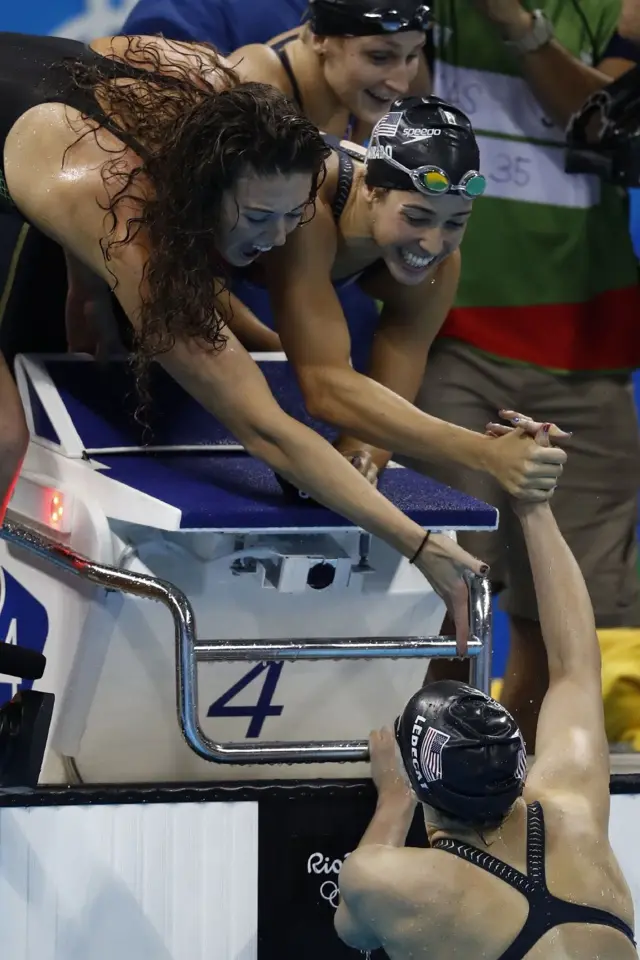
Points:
[545,911]
[33,285]
[33,71]
[345,174]
[346,156]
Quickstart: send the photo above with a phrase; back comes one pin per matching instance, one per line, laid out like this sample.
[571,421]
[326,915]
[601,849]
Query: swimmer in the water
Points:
[392,221]
[347,64]
[152,168]
[519,863]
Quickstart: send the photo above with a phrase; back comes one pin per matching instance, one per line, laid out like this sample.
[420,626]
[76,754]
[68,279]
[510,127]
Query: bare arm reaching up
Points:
[572,753]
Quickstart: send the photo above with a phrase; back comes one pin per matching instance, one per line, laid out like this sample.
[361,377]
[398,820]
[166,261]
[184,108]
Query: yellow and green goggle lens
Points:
[435,181]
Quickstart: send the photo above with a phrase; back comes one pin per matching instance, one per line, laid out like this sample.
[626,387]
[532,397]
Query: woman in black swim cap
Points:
[463,752]
[423,146]
[347,64]
[532,873]
[392,220]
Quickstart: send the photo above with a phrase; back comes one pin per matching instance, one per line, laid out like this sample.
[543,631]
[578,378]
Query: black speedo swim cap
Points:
[425,144]
[367,18]
[463,752]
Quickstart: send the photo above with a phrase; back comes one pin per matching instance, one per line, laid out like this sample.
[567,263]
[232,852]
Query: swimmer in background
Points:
[347,64]
[343,67]
[504,844]
[391,220]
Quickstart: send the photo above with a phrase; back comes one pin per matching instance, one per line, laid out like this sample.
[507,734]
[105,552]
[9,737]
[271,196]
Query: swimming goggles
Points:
[434,181]
[391,21]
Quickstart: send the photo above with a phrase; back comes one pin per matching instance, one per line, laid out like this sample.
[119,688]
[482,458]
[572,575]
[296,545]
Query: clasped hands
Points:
[528,466]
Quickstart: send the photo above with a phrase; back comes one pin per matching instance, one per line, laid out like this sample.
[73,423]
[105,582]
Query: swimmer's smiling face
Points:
[260,213]
[368,73]
[415,232]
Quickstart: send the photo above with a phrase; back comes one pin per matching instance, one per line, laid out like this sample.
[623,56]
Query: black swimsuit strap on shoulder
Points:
[283,57]
[280,50]
[345,182]
[545,910]
[346,172]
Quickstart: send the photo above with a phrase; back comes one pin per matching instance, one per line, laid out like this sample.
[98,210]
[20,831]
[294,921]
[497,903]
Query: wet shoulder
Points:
[412,896]
[59,187]
[409,875]
[260,63]
[580,864]
[453,908]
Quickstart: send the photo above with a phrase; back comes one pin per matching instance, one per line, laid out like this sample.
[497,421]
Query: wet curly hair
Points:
[194,142]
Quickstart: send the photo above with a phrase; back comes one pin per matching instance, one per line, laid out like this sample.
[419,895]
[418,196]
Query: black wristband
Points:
[421,547]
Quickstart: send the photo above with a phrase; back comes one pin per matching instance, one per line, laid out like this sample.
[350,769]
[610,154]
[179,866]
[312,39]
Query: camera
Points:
[603,137]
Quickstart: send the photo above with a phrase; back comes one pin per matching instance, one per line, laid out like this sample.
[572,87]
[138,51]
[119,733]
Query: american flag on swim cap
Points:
[388,126]
[431,754]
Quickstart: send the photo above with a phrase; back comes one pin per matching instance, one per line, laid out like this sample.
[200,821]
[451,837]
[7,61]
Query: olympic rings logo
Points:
[319,864]
[329,891]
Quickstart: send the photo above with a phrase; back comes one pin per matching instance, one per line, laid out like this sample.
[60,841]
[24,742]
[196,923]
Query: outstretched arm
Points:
[315,337]
[572,753]
[306,460]
[230,385]
[410,320]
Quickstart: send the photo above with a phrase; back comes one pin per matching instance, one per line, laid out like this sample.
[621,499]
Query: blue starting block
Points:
[182,456]
[176,500]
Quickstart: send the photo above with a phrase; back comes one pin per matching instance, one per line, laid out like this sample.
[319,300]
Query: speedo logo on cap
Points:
[421,133]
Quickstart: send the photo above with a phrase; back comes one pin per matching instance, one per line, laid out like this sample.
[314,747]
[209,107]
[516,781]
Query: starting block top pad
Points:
[232,491]
[182,456]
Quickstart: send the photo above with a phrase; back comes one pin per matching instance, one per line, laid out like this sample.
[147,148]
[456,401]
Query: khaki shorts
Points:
[596,502]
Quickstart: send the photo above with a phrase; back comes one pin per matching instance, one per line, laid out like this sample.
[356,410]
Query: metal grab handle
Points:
[189,652]
[347,648]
